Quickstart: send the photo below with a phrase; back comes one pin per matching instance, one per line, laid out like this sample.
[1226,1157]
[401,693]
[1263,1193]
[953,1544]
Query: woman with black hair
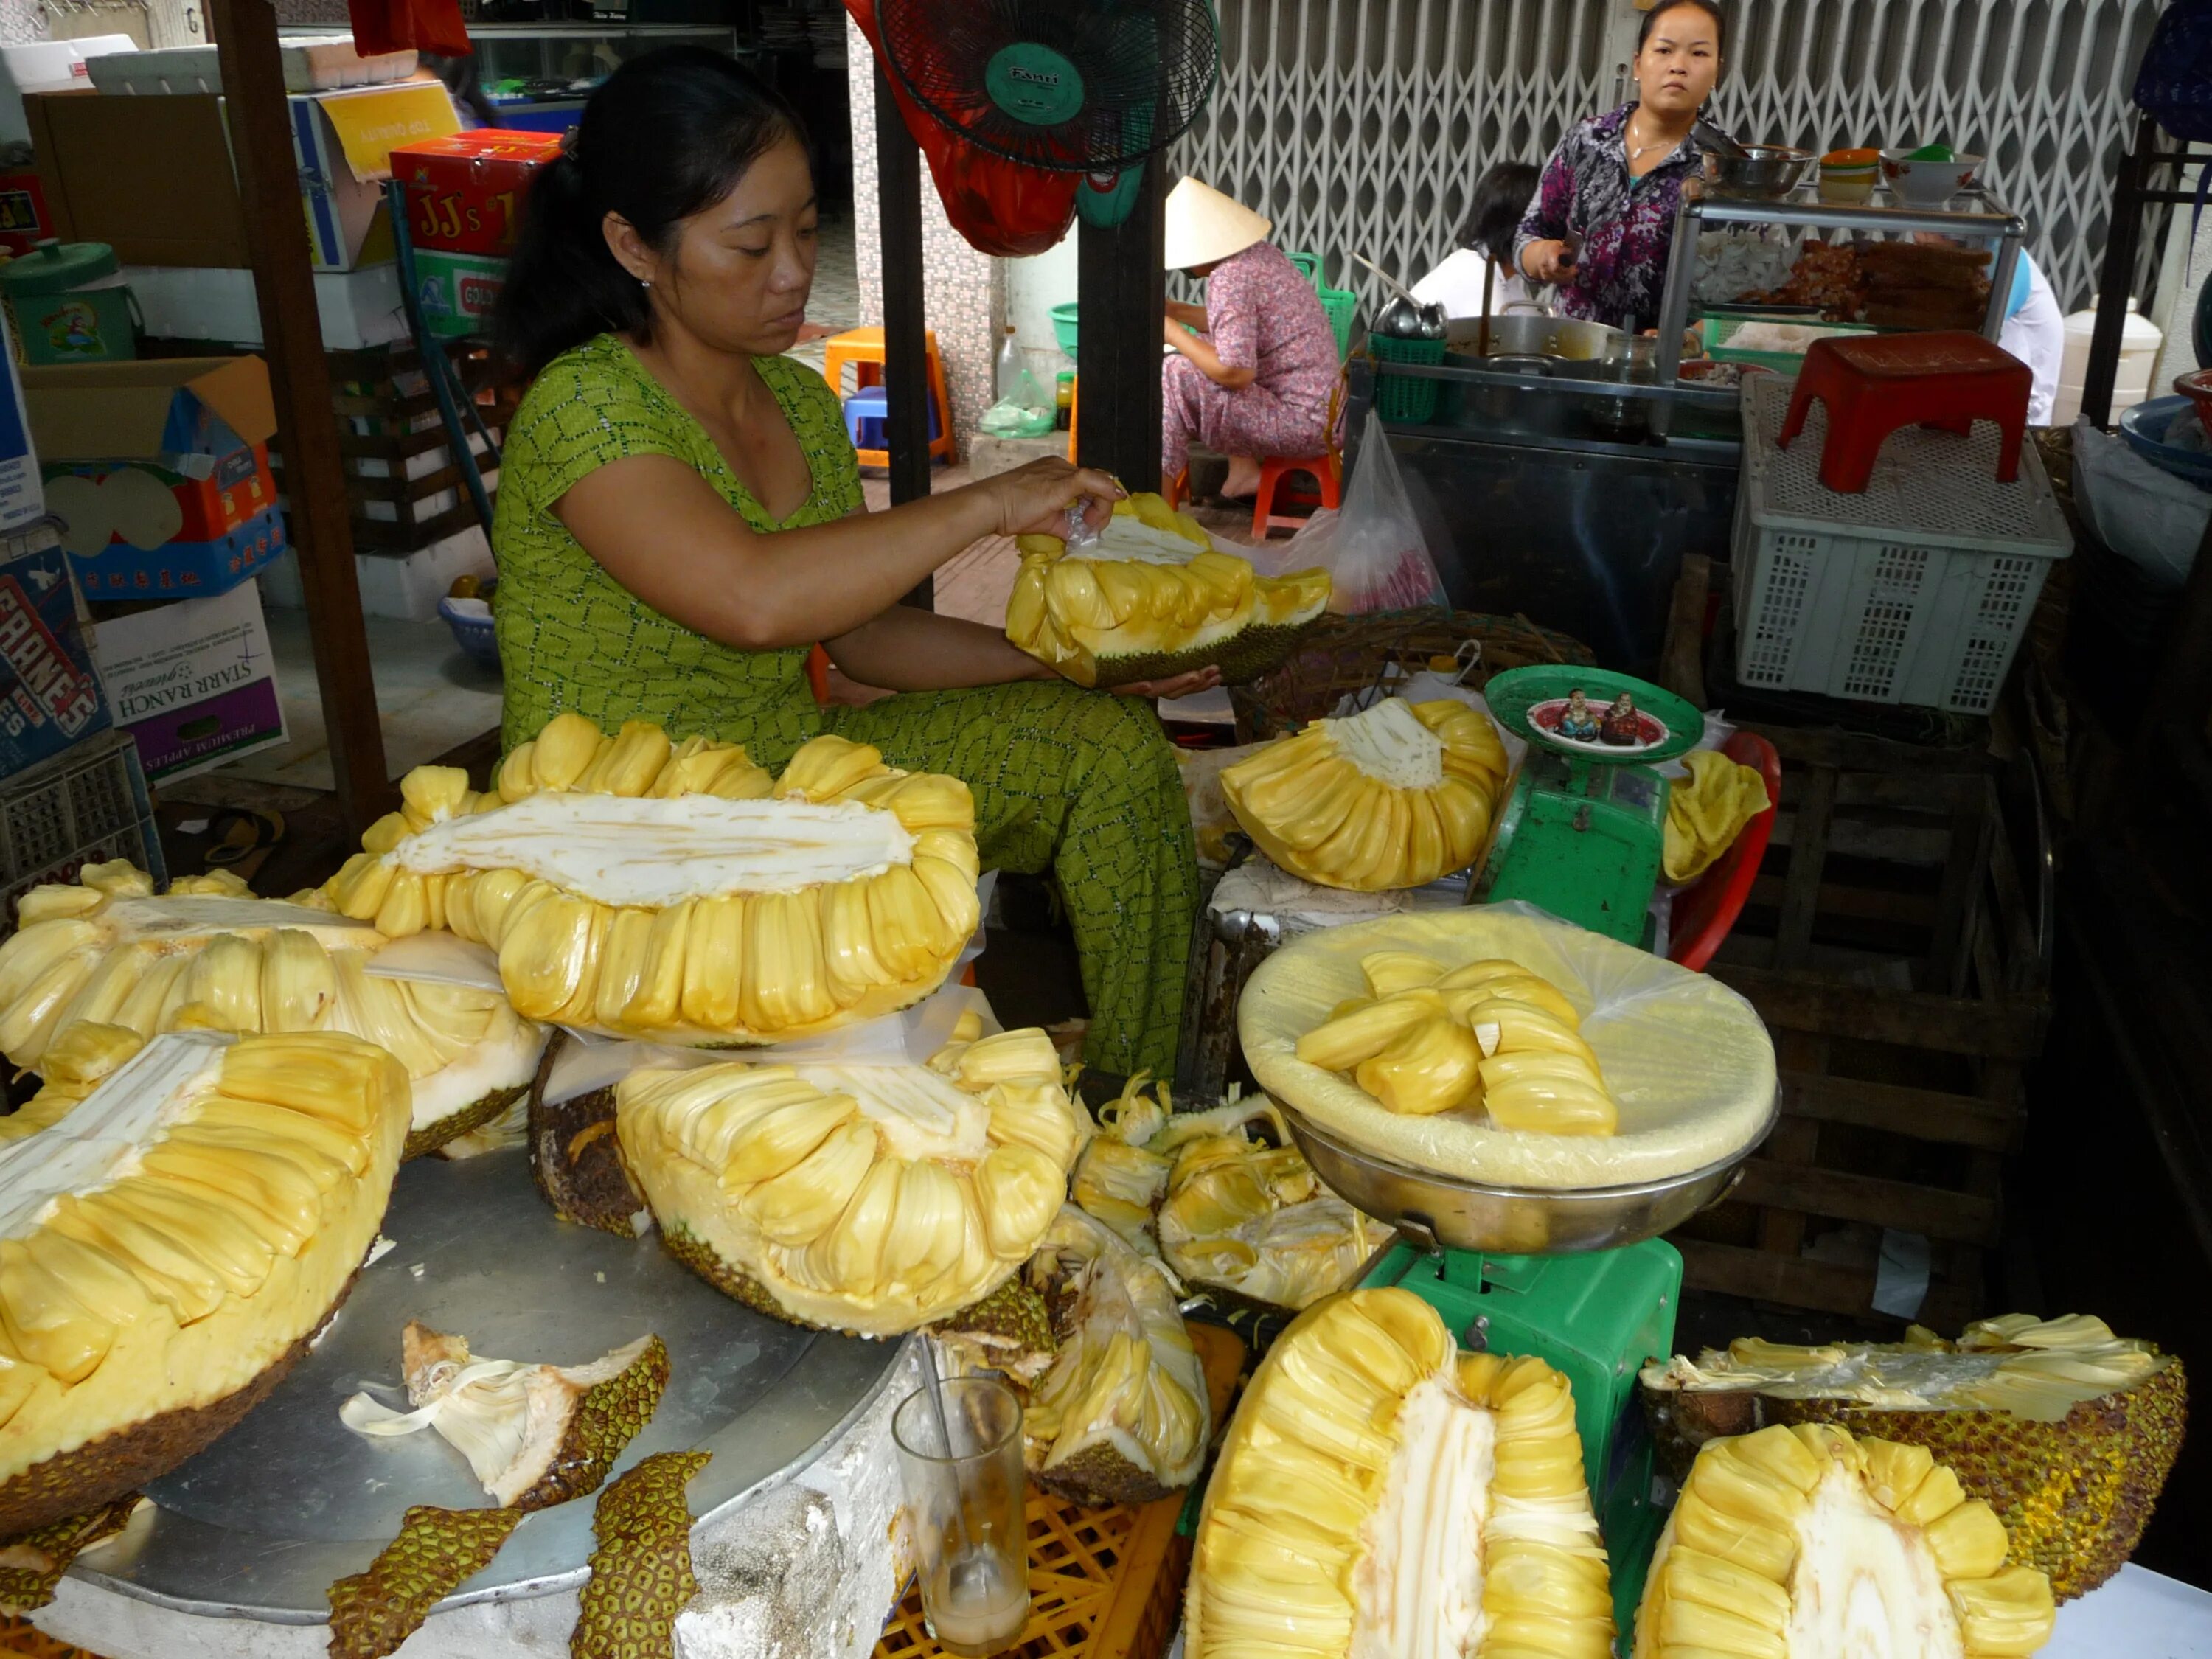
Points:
[680,521]
[1485,246]
[1602,226]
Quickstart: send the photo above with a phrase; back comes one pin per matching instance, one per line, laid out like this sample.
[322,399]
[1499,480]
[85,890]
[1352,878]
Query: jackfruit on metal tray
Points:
[865,1199]
[1115,1404]
[1392,796]
[2066,1431]
[1494,1043]
[102,959]
[1154,597]
[1380,1493]
[676,892]
[1224,1197]
[1812,1540]
[170,1245]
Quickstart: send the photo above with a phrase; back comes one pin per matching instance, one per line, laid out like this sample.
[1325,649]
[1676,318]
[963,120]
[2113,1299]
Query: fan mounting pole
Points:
[1121,292]
[906,362]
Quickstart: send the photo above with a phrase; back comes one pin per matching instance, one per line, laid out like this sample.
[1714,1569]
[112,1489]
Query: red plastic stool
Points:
[818,674]
[1705,910]
[1874,384]
[1325,471]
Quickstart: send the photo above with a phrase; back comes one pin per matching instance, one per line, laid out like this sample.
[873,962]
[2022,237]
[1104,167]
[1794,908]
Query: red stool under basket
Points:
[1873,384]
[1708,907]
[1275,473]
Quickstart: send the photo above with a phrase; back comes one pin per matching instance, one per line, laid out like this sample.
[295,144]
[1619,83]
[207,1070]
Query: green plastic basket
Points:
[1342,307]
[1063,326]
[1405,396]
[1721,327]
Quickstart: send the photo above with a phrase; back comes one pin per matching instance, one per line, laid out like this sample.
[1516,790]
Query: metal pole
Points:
[906,358]
[2112,296]
[1121,291]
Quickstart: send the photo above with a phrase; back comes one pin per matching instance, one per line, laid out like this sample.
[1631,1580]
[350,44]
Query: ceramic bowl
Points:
[1927,184]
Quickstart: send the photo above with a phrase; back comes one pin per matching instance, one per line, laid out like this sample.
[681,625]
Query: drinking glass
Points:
[965,1488]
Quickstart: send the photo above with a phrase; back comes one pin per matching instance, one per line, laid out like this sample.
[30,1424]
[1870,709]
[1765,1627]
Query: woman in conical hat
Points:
[1255,381]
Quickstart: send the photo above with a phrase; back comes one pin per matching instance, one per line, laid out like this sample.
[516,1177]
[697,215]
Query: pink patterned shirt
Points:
[1260,314]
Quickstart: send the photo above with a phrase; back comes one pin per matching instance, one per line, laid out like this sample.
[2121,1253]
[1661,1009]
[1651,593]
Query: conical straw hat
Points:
[1204,226]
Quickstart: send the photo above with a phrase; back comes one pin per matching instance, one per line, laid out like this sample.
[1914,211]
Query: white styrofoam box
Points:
[320,62]
[358,308]
[1916,590]
[48,66]
[404,584]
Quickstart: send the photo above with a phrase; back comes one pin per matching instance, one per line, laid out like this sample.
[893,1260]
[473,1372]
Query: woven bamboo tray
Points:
[1103,1583]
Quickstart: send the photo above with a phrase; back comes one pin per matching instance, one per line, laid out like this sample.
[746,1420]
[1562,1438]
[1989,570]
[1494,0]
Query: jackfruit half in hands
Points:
[1394,796]
[1490,1036]
[105,953]
[865,1199]
[1381,1493]
[166,1255]
[1806,1540]
[676,893]
[2065,1429]
[1154,597]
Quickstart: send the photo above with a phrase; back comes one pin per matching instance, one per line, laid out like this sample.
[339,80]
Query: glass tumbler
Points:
[965,1489]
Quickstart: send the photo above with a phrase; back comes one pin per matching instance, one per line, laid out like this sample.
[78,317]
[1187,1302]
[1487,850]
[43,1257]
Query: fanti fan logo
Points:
[1032,83]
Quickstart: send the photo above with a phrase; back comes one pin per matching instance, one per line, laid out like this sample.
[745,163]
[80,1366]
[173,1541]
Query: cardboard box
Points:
[459,291]
[47,66]
[182,569]
[140,458]
[50,694]
[193,683]
[153,178]
[357,308]
[23,219]
[23,496]
[465,192]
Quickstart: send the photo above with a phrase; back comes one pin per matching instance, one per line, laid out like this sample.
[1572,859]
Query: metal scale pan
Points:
[261,1524]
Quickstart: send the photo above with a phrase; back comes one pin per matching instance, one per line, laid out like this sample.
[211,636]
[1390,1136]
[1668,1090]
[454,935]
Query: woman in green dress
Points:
[680,521]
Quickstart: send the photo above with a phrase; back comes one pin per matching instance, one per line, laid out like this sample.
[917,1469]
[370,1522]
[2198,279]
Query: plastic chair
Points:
[1871,384]
[863,349]
[1707,910]
[865,411]
[1327,471]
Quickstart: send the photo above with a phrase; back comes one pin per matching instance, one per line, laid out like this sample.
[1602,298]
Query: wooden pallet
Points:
[1894,952]
[1103,1583]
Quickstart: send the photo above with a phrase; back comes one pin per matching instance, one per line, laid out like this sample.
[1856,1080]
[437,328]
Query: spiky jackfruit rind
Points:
[374,1611]
[574,1159]
[2074,1495]
[641,1574]
[1243,657]
[431,1136]
[734,1282]
[607,1418]
[1100,1478]
[1012,1324]
[115,1466]
[32,1564]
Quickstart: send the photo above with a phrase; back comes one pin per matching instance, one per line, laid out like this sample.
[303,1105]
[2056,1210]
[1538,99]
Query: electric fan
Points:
[1089,87]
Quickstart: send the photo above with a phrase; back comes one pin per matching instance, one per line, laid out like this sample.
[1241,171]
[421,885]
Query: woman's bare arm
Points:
[909,649]
[666,534]
[1209,362]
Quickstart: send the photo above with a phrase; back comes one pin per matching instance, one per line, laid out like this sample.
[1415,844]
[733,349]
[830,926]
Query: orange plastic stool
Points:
[818,674]
[1872,384]
[863,347]
[1326,470]
[1174,490]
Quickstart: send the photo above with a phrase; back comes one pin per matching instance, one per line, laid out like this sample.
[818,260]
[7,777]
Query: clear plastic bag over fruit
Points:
[1001,207]
[1373,550]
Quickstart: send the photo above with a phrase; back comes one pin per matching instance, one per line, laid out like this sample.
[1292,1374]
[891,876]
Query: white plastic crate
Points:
[85,806]
[317,62]
[1917,590]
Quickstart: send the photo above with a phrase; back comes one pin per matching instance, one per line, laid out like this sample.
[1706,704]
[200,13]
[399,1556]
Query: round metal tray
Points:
[261,1524]
[1433,1211]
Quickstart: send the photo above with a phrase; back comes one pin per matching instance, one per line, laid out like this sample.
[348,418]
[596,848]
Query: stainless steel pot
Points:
[1532,334]
[1434,1211]
[1501,410]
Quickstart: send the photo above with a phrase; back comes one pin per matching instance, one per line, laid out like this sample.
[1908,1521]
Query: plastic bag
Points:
[2145,515]
[386,26]
[1027,414]
[1374,551]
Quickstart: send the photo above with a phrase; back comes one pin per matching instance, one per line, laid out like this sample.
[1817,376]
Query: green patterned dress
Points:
[1080,783]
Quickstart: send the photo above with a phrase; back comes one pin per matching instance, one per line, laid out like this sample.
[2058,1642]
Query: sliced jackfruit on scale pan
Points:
[676,893]
[1808,1540]
[1380,1493]
[167,1252]
[1393,797]
[1154,597]
[105,953]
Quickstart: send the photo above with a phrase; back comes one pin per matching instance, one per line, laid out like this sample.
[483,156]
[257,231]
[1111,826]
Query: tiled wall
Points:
[960,297]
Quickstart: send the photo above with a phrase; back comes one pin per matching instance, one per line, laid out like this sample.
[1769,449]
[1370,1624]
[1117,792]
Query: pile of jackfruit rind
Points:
[1154,597]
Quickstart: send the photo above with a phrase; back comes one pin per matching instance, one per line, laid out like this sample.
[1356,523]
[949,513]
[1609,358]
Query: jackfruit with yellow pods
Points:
[105,953]
[1380,1493]
[1393,797]
[169,1248]
[865,1199]
[2067,1431]
[674,892]
[1705,814]
[1153,598]
[1809,1540]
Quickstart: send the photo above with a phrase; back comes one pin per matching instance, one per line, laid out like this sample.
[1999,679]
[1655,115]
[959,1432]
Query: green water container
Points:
[68,303]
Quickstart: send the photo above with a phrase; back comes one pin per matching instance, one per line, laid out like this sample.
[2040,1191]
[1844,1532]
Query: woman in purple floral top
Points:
[1601,225]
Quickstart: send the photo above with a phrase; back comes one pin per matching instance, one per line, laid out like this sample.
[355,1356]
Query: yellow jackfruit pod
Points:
[754,910]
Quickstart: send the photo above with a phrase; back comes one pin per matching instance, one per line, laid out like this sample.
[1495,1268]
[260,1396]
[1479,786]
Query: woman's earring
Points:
[645,282]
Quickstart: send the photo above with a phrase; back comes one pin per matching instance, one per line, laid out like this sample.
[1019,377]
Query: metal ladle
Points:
[1406,316]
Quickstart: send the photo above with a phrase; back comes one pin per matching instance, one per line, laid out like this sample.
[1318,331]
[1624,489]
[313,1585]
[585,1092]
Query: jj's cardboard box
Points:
[152,176]
[160,472]
[465,191]
[50,695]
[193,683]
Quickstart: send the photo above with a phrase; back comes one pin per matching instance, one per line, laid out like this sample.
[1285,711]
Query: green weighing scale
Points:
[1582,832]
